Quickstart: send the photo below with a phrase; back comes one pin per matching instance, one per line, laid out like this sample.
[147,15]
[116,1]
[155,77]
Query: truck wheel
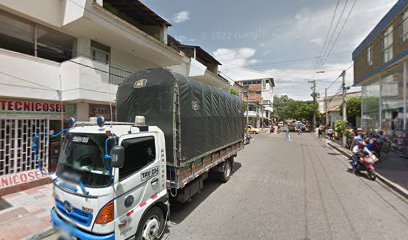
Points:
[151,225]
[226,173]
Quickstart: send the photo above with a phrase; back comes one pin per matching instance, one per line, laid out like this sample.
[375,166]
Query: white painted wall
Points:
[85,79]
[82,111]
[26,76]
[196,68]
[50,12]
[128,61]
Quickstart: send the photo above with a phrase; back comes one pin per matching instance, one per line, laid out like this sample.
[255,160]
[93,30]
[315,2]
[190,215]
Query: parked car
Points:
[252,130]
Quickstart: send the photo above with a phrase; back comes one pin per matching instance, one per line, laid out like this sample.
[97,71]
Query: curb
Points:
[46,233]
[402,191]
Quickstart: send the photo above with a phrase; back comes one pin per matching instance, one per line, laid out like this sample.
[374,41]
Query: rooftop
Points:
[134,10]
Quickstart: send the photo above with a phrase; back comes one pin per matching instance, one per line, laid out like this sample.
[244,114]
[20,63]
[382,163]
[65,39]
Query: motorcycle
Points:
[366,163]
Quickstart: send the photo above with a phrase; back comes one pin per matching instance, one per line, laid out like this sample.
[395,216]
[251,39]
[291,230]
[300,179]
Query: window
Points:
[100,52]
[16,35]
[22,36]
[388,41]
[370,56]
[139,152]
[53,45]
[405,26]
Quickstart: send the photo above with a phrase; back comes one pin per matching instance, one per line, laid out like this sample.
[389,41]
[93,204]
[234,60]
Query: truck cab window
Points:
[139,152]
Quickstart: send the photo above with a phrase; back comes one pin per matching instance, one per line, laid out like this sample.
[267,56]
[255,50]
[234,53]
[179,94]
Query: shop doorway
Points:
[16,145]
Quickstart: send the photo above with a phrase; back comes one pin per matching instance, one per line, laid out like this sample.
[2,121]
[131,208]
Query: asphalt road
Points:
[291,190]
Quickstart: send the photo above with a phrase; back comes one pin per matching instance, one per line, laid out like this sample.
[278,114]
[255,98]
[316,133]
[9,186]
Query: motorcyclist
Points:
[359,150]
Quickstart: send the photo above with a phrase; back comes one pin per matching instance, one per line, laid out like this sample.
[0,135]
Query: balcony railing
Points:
[117,75]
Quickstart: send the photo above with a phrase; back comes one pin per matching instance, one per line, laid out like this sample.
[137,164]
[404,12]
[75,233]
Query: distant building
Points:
[334,110]
[260,100]
[381,68]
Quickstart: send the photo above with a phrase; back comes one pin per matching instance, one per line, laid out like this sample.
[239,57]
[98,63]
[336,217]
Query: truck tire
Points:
[151,225]
[226,173]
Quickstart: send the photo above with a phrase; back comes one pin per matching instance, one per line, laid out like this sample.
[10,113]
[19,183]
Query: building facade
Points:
[259,98]
[330,107]
[66,58]
[380,67]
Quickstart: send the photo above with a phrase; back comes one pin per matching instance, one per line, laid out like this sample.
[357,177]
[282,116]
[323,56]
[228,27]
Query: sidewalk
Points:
[391,169]
[26,213]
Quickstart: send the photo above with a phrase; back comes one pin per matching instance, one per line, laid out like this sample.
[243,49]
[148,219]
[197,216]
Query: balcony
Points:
[28,76]
[199,72]
[85,79]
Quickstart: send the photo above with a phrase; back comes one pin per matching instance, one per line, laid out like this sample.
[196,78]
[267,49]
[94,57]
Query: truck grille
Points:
[76,215]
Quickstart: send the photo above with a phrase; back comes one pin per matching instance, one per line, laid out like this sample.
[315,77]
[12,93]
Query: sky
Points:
[286,40]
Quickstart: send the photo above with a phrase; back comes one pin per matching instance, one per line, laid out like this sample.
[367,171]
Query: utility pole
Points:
[326,106]
[343,74]
[245,91]
[314,95]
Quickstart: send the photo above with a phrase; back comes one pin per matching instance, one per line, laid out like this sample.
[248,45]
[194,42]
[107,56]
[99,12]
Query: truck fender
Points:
[163,204]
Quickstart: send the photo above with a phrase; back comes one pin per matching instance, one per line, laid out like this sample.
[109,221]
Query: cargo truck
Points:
[114,179]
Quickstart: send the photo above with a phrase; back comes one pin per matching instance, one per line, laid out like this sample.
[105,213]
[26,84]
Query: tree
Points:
[234,92]
[353,107]
[287,108]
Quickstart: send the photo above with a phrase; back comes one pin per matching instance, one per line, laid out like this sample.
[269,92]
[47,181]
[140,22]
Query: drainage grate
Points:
[4,204]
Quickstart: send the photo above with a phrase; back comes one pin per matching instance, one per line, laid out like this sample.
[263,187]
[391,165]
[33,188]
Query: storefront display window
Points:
[392,99]
[371,106]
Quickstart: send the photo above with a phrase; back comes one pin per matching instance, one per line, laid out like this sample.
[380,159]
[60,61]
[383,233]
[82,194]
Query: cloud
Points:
[238,64]
[181,17]
[236,58]
[184,39]
[318,41]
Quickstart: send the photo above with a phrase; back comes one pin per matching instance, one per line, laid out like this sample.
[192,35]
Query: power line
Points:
[333,33]
[341,30]
[25,80]
[279,62]
[328,33]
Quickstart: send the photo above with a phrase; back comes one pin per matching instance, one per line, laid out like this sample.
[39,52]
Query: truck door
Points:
[136,182]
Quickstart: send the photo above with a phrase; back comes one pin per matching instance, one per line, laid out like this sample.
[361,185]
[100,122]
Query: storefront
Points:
[96,110]
[20,121]
[384,104]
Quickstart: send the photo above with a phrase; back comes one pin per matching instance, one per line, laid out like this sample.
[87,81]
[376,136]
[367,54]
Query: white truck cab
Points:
[110,182]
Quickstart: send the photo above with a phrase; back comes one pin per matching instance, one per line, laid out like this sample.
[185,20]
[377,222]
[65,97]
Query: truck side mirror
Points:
[118,156]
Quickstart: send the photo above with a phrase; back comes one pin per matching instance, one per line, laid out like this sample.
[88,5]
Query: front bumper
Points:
[60,224]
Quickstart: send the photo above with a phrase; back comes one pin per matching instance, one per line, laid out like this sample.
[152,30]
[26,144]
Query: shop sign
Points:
[20,178]
[11,106]
[100,110]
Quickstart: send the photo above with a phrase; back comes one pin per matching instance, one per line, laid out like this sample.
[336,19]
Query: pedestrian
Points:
[320,131]
[330,133]
[358,138]
[287,133]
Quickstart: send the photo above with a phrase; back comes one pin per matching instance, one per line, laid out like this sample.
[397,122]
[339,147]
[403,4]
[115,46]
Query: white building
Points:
[260,100]
[63,58]
[202,66]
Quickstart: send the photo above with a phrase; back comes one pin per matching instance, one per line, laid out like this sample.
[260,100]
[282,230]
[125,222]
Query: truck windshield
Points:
[82,156]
